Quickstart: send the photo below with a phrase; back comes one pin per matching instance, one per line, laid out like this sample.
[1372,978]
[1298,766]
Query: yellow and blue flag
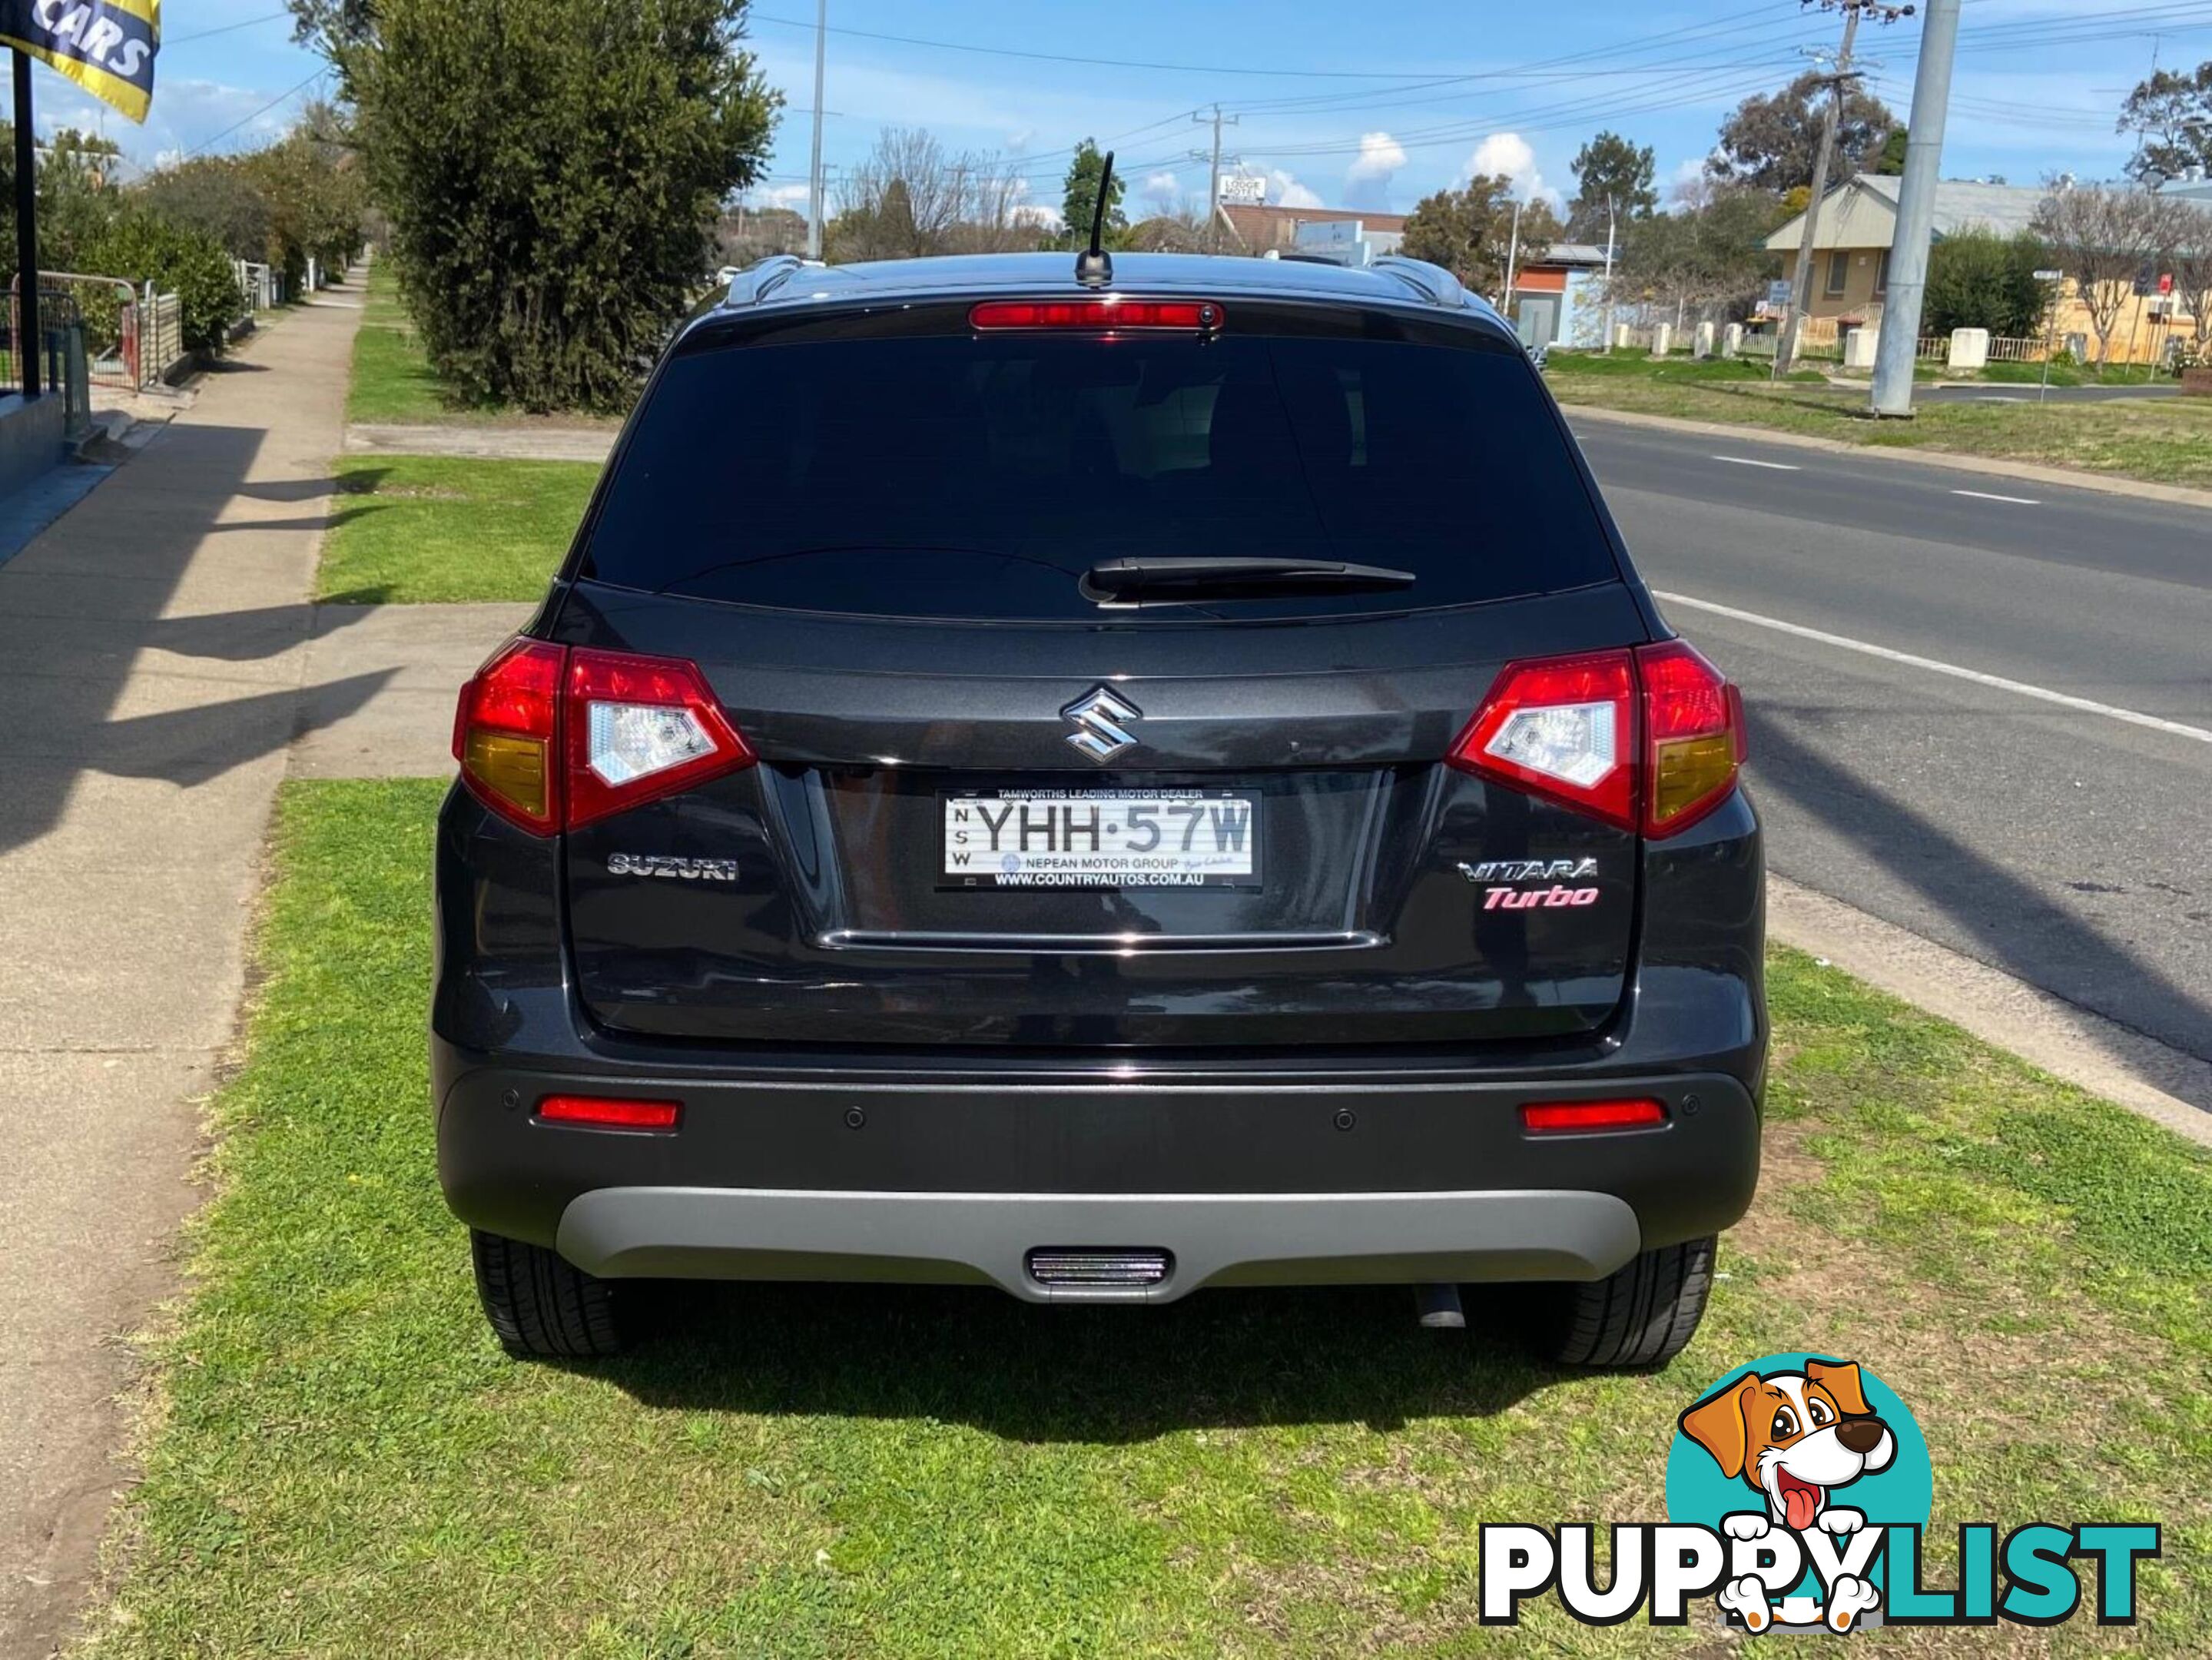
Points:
[105,47]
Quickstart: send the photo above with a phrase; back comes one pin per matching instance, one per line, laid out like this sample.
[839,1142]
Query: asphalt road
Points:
[2035,793]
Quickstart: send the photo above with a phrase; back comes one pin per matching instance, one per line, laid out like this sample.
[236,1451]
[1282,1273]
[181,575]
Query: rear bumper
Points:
[1221,1239]
[1273,1178]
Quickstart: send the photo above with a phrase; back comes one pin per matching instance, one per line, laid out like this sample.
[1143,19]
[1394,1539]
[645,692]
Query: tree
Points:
[552,171]
[1079,200]
[1770,141]
[1709,254]
[1612,181]
[1469,232]
[2171,113]
[2189,251]
[1979,280]
[1891,162]
[909,200]
[2104,237]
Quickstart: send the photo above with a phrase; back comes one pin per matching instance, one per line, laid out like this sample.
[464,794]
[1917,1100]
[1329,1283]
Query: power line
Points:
[203,34]
[292,92]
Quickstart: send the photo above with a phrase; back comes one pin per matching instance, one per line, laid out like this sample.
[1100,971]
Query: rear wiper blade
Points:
[1126,579]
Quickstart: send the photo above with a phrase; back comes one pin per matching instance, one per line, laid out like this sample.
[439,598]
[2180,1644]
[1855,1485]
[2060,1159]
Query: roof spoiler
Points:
[757,281]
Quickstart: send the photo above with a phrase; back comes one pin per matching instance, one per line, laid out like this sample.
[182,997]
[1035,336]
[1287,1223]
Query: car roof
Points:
[787,280]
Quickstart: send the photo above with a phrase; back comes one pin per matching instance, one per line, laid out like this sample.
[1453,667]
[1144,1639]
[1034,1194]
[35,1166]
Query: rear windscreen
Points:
[979,476]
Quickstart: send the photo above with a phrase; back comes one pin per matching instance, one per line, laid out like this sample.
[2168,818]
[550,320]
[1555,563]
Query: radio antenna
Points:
[1094,266]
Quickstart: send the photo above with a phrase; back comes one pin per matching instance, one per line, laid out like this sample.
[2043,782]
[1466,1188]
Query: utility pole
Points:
[1608,273]
[1213,184]
[814,202]
[27,341]
[1800,296]
[1900,343]
[1512,259]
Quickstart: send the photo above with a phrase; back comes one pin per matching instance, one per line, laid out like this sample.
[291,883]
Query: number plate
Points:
[1102,839]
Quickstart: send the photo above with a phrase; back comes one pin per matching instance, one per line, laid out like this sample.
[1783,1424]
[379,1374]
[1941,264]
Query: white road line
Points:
[2042,693]
[1985,495]
[1746,461]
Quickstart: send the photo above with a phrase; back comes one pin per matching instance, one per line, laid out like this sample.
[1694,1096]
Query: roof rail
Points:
[757,281]
[1432,283]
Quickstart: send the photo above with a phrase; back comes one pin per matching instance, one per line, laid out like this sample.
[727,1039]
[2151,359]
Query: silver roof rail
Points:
[1432,283]
[757,281]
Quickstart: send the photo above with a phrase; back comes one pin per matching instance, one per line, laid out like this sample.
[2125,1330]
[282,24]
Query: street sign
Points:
[1245,189]
[1778,291]
[2166,282]
[2049,276]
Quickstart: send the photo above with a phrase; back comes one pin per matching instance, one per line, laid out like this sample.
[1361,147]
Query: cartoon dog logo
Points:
[1794,1438]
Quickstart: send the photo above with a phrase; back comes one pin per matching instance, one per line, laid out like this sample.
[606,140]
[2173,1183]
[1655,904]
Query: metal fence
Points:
[160,335]
[58,318]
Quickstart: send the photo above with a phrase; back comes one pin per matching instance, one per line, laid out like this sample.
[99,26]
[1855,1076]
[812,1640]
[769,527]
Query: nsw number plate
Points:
[1102,839]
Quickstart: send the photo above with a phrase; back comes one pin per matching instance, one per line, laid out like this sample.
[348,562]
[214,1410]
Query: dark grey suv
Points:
[1101,792]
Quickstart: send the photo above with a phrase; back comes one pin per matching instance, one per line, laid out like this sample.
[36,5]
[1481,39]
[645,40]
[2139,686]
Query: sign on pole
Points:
[105,47]
[2049,276]
[1245,189]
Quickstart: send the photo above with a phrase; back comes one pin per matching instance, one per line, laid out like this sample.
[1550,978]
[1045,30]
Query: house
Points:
[1552,298]
[1852,247]
[1262,226]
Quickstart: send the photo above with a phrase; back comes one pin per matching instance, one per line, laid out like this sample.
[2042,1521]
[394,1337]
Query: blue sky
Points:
[1341,104]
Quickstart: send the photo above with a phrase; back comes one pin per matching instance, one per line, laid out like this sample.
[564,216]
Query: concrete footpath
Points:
[152,647]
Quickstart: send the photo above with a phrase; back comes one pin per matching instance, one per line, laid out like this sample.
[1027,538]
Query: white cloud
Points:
[1285,190]
[1367,180]
[1162,189]
[1509,152]
[781,196]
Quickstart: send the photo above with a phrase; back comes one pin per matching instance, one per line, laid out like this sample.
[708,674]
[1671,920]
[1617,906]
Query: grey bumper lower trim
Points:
[1249,1239]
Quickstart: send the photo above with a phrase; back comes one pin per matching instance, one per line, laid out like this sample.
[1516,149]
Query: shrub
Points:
[1979,280]
[553,173]
[143,246]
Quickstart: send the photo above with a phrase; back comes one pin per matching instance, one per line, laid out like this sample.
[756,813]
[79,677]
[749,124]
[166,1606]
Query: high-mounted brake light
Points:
[1648,739]
[1106,314]
[552,738]
[1591,1117]
[603,1112]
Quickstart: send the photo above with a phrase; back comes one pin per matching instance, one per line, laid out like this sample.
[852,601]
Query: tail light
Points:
[1108,312]
[554,736]
[1648,739]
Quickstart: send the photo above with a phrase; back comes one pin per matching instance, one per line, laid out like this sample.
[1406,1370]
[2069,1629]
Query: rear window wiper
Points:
[1129,579]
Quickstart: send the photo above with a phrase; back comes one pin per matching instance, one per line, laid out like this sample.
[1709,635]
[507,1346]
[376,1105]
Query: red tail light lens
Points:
[552,738]
[506,733]
[608,1113]
[1649,739]
[640,728]
[1565,729]
[1106,313]
[1694,737]
[1591,1117]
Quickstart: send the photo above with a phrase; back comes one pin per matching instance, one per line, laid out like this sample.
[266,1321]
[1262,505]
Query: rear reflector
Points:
[1106,315]
[608,1112]
[1588,1117]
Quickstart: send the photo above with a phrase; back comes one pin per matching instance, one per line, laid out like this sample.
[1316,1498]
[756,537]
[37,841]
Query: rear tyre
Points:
[540,1305]
[1643,1315]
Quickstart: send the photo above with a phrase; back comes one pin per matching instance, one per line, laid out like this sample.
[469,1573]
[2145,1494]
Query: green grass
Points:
[392,381]
[341,1461]
[418,528]
[2165,440]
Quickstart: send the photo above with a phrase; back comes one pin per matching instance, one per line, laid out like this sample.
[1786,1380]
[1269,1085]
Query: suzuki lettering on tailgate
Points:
[1102,839]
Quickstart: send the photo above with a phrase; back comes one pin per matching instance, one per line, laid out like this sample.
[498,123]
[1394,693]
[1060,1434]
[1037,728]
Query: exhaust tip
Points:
[1098,1265]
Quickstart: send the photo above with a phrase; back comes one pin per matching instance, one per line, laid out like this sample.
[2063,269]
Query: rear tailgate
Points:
[1233,818]
[809,899]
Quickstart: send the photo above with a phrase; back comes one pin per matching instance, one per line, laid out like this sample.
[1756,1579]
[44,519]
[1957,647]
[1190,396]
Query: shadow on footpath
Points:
[59,695]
